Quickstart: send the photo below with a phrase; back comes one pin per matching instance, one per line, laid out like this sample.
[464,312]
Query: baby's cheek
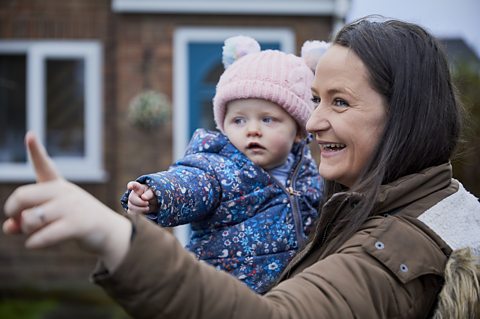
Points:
[283,141]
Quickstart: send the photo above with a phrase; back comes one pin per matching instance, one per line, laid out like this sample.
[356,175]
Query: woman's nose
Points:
[318,121]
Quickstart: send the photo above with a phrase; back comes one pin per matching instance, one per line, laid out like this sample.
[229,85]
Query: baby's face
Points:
[260,129]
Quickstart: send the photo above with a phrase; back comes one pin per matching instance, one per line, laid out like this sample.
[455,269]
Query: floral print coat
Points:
[243,220]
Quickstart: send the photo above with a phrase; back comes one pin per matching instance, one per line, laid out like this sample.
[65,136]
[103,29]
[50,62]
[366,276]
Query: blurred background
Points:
[114,88]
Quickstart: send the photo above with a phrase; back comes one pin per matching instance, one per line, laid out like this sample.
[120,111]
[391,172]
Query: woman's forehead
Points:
[339,69]
[340,59]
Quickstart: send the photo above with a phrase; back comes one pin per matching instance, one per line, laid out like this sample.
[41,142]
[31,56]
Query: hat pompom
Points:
[236,47]
[312,51]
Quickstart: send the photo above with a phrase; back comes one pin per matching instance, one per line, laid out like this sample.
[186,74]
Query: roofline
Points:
[337,8]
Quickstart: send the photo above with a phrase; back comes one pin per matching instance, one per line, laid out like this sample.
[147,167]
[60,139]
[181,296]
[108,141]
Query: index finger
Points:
[43,165]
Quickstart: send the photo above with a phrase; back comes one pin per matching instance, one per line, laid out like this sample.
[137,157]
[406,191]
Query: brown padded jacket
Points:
[393,267]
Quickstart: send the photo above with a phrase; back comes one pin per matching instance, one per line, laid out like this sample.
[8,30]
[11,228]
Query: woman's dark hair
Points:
[407,66]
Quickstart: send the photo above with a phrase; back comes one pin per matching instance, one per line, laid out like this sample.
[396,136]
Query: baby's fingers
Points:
[135,200]
[137,187]
[148,195]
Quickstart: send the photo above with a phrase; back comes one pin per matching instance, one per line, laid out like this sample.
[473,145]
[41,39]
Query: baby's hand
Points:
[141,199]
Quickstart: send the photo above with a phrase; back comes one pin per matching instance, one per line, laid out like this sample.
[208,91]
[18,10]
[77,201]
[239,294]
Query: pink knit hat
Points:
[281,78]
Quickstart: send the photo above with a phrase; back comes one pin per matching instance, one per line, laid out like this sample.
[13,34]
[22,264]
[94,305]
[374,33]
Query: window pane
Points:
[12,108]
[65,107]
[214,74]
[206,119]
[206,91]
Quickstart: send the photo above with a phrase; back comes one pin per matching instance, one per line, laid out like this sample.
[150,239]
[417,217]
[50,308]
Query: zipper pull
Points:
[293,192]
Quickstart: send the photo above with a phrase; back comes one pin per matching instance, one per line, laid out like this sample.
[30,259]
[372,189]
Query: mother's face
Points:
[349,118]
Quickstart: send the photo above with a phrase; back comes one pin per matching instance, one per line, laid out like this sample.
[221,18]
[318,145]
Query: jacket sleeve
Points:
[169,282]
[187,192]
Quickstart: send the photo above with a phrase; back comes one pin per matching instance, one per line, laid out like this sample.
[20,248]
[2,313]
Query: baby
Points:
[250,190]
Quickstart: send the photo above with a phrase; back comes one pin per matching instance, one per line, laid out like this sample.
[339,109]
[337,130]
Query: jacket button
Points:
[403,268]
[379,245]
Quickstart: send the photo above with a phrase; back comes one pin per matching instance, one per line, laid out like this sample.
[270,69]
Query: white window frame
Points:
[182,37]
[88,168]
[253,7]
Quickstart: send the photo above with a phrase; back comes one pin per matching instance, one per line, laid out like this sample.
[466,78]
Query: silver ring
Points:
[40,214]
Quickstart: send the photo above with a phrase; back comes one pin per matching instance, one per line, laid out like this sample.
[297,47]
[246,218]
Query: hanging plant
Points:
[149,109]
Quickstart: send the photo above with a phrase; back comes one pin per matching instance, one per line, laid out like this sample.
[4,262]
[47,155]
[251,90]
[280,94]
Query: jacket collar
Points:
[400,193]
[411,188]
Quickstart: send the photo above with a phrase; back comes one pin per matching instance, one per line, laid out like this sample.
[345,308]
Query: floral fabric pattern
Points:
[243,220]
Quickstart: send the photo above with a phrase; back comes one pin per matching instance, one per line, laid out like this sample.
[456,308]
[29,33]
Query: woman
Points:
[387,122]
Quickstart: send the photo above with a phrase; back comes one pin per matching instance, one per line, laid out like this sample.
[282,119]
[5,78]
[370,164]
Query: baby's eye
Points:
[340,102]
[238,120]
[267,119]
[316,99]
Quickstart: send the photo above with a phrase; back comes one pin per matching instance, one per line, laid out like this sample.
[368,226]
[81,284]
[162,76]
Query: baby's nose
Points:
[254,130]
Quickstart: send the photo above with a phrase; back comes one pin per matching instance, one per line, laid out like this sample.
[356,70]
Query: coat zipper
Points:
[292,197]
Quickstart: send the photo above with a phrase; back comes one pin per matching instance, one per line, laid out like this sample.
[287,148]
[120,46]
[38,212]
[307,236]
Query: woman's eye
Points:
[340,102]
[315,99]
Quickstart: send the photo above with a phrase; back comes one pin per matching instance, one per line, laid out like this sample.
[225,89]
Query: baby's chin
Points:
[265,161]
[260,163]
[268,166]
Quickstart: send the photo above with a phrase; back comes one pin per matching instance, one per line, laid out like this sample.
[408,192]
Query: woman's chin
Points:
[327,173]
